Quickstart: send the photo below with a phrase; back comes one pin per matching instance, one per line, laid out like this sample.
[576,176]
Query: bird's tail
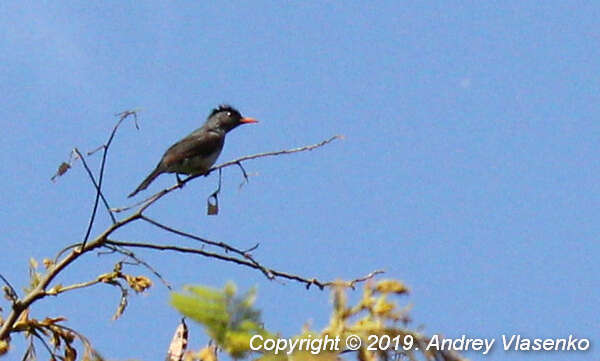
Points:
[152,176]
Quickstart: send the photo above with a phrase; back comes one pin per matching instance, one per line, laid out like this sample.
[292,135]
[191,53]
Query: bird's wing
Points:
[199,143]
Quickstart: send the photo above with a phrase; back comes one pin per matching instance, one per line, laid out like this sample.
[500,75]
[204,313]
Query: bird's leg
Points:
[179,181]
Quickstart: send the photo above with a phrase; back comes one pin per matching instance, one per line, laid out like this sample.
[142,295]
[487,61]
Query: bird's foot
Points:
[179,181]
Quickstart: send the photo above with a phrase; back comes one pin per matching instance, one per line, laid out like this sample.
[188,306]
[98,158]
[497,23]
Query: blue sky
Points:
[469,169]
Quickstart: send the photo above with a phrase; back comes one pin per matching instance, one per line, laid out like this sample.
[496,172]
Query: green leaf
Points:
[230,320]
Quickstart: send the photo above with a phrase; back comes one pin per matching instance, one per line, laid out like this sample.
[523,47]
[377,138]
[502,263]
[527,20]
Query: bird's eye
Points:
[228,114]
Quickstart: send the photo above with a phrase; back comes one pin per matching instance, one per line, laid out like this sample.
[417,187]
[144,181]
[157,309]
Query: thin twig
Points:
[222,245]
[13,294]
[30,353]
[36,335]
[153,198]
[307,281]
[252,248]
[353,283]
[54,292]
[96,186]
[62,251]
[269,154]
[122,117]
[40,289]
[138,260]
[246,179]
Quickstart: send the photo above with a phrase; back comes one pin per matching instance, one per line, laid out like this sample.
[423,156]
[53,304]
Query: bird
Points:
[196,153]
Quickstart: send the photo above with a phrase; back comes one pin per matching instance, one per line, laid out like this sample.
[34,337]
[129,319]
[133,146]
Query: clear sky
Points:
[470,167]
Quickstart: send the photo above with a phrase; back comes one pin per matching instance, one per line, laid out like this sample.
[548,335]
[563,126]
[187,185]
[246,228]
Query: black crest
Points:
[224,108]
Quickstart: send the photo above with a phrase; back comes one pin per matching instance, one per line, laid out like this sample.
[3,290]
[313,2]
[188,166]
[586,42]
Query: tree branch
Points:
[270,154]
[40,289]
[9,292]
[222,245]
[153,198]
[72,253]
[56,291]
[122,116]
[307,281]
[96,185]
[137,260]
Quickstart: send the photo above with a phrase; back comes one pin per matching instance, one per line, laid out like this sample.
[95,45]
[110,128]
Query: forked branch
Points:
[70,254]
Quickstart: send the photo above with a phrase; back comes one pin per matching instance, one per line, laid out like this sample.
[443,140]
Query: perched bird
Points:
[197,152]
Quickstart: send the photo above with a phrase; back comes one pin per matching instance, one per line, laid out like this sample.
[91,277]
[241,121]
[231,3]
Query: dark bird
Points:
[197,152]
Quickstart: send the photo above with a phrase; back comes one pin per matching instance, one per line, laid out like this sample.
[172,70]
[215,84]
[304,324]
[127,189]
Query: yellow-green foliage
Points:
[229,320]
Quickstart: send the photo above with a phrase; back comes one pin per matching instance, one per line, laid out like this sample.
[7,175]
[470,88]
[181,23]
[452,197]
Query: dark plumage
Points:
[197,152]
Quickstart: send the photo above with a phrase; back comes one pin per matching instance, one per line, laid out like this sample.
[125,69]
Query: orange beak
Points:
[248,120]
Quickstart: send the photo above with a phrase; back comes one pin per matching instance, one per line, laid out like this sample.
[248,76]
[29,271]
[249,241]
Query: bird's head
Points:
[227,117]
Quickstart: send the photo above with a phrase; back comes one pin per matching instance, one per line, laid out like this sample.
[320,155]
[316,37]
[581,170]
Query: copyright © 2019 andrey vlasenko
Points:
[510,343]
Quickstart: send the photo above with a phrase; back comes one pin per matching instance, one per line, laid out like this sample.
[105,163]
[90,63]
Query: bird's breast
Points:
[198,164]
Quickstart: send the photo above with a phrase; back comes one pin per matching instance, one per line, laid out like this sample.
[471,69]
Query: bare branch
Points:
[148,201]
[71,253]
[243,173]
[10,292]
[269,154]
[122,300]
[46,346]
[352,284]
[222,245]
[19,306]
[96,186]
[307,281]
[65,249]
[122,116]
[137,260]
